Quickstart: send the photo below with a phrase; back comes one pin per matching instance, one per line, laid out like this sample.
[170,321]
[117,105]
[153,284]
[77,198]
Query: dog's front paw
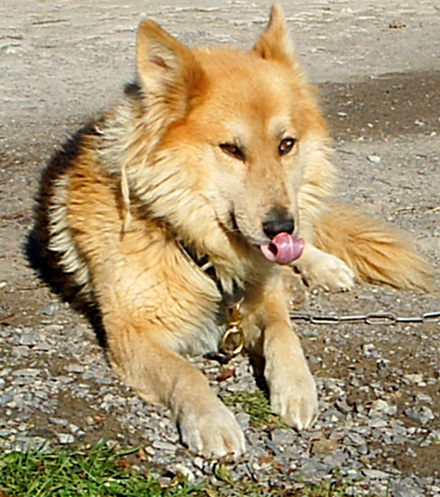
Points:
[296,406]
[328,272]
[211,430]
[293,395]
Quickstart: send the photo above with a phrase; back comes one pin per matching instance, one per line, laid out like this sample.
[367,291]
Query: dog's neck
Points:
[230,299]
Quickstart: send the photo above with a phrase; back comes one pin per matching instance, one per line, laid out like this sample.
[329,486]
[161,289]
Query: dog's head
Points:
[238,128]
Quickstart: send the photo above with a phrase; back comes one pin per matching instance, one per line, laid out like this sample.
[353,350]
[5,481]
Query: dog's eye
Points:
[233,150]
[286,145]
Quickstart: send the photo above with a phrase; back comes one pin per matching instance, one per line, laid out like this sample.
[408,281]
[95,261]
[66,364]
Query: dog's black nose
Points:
[278,222]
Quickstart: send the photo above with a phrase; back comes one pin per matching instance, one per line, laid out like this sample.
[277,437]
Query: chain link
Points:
[373,318]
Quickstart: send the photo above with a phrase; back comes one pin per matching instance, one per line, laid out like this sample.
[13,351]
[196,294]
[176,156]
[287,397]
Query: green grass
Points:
[99,472]
[103,471]
[257,406]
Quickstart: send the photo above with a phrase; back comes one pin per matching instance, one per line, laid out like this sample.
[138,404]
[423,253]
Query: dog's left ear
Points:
[274,43]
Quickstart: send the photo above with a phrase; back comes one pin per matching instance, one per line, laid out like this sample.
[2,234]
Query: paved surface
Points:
[377,64]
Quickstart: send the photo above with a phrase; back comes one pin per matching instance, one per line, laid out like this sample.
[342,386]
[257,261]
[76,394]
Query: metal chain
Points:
[374,318]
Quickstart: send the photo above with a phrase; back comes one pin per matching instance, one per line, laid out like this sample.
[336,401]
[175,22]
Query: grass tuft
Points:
[257,406]
[99,472]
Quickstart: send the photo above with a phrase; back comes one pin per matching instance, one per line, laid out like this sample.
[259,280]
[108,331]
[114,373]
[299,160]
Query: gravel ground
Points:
[379,385]
[378,402]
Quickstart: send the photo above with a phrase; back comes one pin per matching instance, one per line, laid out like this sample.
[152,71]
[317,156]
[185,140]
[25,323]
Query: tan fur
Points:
[123,197]
[376,252]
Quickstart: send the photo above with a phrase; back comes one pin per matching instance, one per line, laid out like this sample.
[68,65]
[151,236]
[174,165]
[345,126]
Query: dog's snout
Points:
[278,222]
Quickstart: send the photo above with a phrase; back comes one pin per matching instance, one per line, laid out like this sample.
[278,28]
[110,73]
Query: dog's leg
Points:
[150,366]
[269,333]
[320,269]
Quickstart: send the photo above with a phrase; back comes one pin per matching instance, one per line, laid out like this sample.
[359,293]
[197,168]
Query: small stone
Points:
[184,473]
[74,368]
[43,346]
[352,491]
[365,430]
[6,398]
[432,438]
[164,481]
[148,451]
[421,415]
[63,379]
[161,445]
[379,405]
[7,432]
[66,438]
[405,488]
[198,462]
[26,443]
[314,470]
[410,452]
[29,339]
[368,349]
[253,437]
[272,446]
[421,397]
[54,328]
[323,446]
[354,381]
[413,378]
[336,460]
[342,406]
[281,436]
[20,351]
[375,159]
[104,380]
[51,309]
[356,439]
[58,421]
[375,474]
[378,423]
[243,419]
[28,372]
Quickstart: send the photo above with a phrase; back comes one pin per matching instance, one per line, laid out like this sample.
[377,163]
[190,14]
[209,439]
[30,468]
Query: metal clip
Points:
[233,330]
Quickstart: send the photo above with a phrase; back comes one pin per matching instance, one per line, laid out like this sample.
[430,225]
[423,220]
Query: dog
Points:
[203,190]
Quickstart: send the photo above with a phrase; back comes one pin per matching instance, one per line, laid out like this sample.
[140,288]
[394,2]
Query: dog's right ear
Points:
[167,69]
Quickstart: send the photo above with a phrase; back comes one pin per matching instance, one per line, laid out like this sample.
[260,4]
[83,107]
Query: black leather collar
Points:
[229,299]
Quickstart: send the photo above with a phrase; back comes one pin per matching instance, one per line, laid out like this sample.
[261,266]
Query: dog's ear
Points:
[274,43]
[167,69]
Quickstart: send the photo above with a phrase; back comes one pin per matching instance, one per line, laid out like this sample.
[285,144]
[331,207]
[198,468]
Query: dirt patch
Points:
[391,105]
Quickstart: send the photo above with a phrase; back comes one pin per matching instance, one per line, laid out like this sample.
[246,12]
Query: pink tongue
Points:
[283,248]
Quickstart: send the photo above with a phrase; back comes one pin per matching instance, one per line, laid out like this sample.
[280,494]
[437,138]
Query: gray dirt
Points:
[377,66]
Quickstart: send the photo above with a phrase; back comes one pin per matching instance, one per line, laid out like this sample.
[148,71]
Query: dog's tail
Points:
[375,251]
